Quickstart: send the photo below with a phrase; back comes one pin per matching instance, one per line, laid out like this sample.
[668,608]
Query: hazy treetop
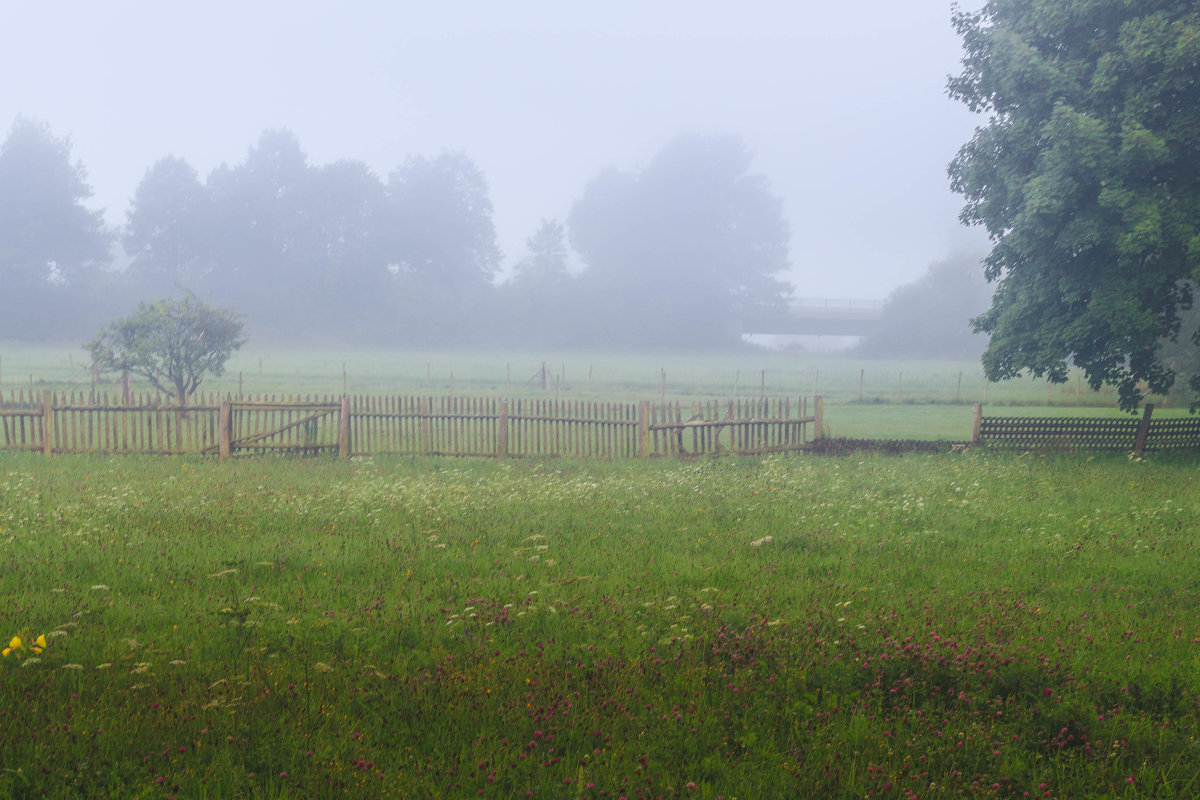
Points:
[843,104]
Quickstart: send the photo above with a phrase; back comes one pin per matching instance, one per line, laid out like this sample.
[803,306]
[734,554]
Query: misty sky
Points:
[843,104]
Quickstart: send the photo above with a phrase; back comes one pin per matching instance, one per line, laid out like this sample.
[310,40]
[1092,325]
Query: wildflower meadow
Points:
[957,625]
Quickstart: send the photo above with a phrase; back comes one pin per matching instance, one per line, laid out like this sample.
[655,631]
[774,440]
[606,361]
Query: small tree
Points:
[173,343]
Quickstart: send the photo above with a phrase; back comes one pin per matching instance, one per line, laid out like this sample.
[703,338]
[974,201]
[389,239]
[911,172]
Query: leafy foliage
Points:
[49,241]
[539,300]
[327,249]
[169,230]
[686,248]
[444,216]
[173,343]
[1087,178]
[931,316]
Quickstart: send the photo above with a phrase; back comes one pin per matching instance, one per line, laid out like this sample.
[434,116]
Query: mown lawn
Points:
[976,624]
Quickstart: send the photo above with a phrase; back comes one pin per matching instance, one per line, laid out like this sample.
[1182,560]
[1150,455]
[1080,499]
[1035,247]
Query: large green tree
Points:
[169,230]
[260,227]
[685,251]
[538,305]
[51,244]
[1086,176]
[442,213]
[443,247]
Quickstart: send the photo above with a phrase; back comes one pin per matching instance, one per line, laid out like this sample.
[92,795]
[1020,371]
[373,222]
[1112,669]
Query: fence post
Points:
[225,429]
[344,429]
[1143,430]
[644,428]
[502,432]
[977,424]
[47,423]
[818,417]
[426,432]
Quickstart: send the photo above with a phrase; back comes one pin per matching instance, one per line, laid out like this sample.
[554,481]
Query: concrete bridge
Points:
[821,317]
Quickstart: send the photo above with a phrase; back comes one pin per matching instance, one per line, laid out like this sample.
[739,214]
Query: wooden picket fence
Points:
[373,425]
[1070,433]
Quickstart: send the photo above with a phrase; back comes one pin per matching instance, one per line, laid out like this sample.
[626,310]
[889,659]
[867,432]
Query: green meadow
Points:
[864,398]
[963,625]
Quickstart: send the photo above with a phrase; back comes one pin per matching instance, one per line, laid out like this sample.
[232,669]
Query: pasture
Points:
[864,398]
[978,624]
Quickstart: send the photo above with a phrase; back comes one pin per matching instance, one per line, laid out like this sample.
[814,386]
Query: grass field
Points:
[899,400]
[980,624]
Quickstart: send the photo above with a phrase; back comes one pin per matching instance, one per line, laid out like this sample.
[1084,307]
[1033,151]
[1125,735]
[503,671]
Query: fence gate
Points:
[297,428]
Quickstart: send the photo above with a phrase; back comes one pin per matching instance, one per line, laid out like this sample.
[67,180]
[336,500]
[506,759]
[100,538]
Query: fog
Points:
[842,106]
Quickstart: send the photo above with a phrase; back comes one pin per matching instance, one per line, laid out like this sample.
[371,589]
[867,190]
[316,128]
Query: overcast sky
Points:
[843,104]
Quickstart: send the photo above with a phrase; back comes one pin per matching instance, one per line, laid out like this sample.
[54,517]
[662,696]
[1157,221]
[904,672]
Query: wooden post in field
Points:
[239,383]
[762,390]
[260,371]
[818,417]
[1143,430]
[502,432]
[225,429]
[644,428]
[977,423]
[47,423]
[958,389]
[344,429]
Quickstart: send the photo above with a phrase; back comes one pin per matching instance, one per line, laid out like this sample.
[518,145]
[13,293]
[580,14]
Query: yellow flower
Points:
[16,645]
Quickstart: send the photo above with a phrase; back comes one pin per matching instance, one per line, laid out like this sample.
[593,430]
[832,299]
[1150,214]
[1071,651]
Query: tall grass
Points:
[973,625]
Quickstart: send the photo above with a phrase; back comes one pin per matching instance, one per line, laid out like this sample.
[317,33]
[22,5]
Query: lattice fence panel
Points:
[1058,432]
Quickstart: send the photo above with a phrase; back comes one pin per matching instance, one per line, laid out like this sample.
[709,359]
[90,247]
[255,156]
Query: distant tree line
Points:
[676,254]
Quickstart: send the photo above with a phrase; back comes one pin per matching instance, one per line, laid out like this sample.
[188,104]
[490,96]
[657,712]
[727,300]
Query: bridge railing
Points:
[820,316]
[838,303]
